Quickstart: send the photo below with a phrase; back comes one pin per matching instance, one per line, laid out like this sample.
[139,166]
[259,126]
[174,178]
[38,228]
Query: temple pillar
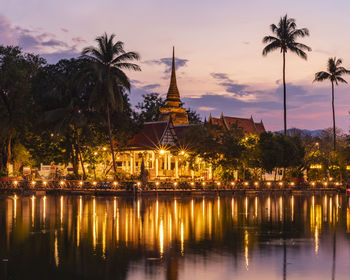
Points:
[210,175]
[176,167]
[169,162]
[131,164]
[157,166]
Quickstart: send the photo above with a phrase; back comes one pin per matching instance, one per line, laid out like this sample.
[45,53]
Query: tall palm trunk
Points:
[284,93]
[111,140]
[334,134]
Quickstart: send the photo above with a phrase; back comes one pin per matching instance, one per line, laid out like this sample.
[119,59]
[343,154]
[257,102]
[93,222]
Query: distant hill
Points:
[303,132]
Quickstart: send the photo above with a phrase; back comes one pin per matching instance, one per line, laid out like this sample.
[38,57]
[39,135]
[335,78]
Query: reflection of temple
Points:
[155,145]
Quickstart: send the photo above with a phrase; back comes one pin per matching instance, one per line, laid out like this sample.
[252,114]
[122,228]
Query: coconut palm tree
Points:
[335,71]
[107,62]
[284,39]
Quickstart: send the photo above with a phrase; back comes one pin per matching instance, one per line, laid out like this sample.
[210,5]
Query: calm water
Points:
[239,237]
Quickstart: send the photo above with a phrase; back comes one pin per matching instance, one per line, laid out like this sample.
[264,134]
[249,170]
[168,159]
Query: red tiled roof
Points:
[260,128]
[217,121]
[150,135]
[247,125]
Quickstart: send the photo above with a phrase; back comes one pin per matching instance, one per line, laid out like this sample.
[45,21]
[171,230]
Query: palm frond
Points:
[341,80]
[298,51]
[321,76]
[126,56]
[271,47]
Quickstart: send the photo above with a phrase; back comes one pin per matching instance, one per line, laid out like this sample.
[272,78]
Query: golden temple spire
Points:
[173,95]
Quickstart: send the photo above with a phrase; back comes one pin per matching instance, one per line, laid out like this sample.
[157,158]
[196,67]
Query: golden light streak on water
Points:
[182,238]
[330,210]
[175,208]
[233,207]
[161,239]
[337,208]
[203,206]
[33,209]
[325,208]
[268,208]
[138,209]
[281,208]
[218,206]
[56,256]
[292,206]
[44,209]
[256,207]
[192,208]
[61,209]
[104,228]
[114,208]
[246,249]
[80,208]
[15,206]
[94,223]
[78,230]
[246,207]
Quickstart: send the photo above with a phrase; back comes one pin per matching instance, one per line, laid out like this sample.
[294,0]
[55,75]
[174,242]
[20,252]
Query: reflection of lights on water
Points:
[203,206]
[104,225]
[33,210]
[246,207]
[292,206]
[44,208]
[246,252]
[192,208]
[281,208]
[61,209]
[233,207]
[330,210]
[57,260]
[175,208]
[15,206]
[182,238]
[138,209]
[268,208]
[161,239]
[256,207]
[94,223]
[114,208]
[218,206]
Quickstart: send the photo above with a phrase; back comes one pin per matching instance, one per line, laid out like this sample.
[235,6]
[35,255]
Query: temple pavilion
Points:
[155,145]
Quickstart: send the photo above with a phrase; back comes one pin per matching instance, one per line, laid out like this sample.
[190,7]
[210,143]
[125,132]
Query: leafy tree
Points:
[17,71]
[149,107]
[334,75]
[284,39]
[107,62]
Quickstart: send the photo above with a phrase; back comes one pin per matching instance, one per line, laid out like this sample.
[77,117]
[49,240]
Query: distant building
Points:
[248,126]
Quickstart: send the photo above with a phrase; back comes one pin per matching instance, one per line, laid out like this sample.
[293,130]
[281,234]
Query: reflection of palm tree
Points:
[335,71]
[286,33]
[334,253]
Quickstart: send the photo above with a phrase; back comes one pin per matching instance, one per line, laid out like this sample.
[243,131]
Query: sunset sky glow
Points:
[218,45]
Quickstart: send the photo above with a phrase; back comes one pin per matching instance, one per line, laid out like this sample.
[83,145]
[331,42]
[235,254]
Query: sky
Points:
[218,46]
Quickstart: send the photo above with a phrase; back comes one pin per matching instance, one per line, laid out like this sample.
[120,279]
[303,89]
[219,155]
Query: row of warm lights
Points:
[62,183]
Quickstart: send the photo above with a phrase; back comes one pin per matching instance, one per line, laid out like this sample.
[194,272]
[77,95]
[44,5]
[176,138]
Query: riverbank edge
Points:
[149,193]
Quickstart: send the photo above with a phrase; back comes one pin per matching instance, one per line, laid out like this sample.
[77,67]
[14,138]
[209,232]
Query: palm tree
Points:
[286,33]
[107,61]
[335,71]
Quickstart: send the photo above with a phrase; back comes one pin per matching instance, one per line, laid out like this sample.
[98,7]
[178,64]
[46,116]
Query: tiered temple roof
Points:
[248,126]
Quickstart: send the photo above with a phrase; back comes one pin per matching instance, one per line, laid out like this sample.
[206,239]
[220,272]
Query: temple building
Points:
[155,147]
[248,126]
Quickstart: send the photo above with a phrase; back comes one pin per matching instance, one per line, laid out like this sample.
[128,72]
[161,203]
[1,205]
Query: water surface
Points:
[231,237]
